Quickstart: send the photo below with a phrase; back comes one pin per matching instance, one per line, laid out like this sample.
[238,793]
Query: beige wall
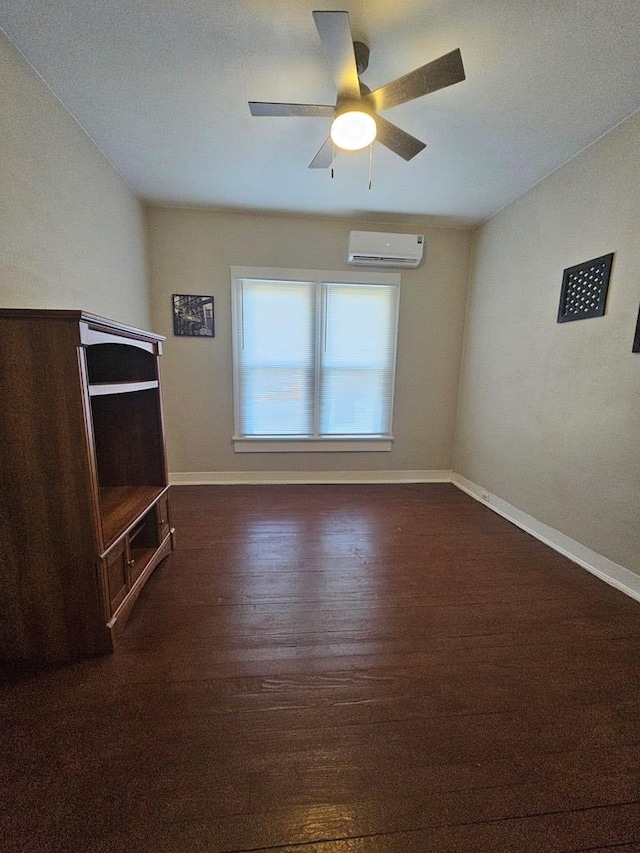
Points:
[191,251]
[71,234]
[549,416]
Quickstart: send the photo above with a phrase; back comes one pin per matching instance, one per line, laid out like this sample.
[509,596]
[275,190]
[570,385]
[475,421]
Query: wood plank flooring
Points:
[339,669]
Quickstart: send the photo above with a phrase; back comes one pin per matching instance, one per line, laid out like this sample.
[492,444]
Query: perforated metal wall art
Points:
[584,289]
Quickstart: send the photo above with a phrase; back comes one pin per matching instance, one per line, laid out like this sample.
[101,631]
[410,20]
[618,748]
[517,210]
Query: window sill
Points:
[311,445]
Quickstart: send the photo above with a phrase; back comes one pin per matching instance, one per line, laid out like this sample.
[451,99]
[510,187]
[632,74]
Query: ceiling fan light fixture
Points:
[353,128]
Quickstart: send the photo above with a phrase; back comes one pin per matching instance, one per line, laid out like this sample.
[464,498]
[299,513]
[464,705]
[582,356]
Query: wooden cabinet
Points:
[84,500]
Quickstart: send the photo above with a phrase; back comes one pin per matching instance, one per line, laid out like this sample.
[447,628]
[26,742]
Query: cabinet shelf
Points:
[122,506]
[104,388]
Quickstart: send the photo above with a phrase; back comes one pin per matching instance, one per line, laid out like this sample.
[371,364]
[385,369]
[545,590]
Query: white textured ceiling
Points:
[162,87]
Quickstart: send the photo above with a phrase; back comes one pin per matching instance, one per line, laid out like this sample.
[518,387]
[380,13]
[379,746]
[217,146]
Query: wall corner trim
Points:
[603,568]
[220,478]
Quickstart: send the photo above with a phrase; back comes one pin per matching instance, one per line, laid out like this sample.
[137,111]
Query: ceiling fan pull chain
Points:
[370,162]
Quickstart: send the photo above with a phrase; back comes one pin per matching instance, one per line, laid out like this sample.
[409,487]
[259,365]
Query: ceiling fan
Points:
[356,115]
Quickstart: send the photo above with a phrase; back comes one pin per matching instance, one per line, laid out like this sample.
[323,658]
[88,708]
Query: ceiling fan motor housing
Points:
[361,51]
[348,105]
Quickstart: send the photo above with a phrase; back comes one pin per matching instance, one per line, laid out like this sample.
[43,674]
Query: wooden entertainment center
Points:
[84,497]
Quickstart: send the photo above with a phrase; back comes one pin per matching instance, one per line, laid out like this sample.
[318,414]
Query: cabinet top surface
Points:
[77,317]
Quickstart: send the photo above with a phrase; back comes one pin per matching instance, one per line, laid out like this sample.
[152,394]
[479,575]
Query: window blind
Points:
[313,359]
[357,360]
[275,358]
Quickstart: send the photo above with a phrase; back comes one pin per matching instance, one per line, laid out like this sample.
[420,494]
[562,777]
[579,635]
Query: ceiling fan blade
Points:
[337,41]
[398,140]
[442,72]
[263,108]
[324,157]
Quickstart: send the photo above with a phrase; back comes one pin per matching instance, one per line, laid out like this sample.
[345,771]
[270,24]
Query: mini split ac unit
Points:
[376,249]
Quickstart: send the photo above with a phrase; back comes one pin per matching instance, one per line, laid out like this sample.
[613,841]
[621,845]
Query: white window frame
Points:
[279,444]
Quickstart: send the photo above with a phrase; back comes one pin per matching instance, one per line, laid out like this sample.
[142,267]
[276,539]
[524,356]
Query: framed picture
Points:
[636,339]
[193,316]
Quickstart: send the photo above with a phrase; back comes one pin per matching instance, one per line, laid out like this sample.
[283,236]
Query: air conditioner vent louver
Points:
[378,249]
[381,261]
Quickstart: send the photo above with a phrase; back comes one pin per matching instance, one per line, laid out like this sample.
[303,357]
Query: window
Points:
[314,359]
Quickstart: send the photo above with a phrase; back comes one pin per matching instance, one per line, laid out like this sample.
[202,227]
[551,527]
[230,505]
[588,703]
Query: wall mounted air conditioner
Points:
[377,249]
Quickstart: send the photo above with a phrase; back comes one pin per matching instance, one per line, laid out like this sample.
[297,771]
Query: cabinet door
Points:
[164,523]
[117,564]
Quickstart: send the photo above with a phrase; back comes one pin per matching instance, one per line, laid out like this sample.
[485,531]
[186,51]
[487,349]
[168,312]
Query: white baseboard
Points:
[219,478]
[614,574]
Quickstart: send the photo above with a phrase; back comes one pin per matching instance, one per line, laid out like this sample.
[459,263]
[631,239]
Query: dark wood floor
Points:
[338,669]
